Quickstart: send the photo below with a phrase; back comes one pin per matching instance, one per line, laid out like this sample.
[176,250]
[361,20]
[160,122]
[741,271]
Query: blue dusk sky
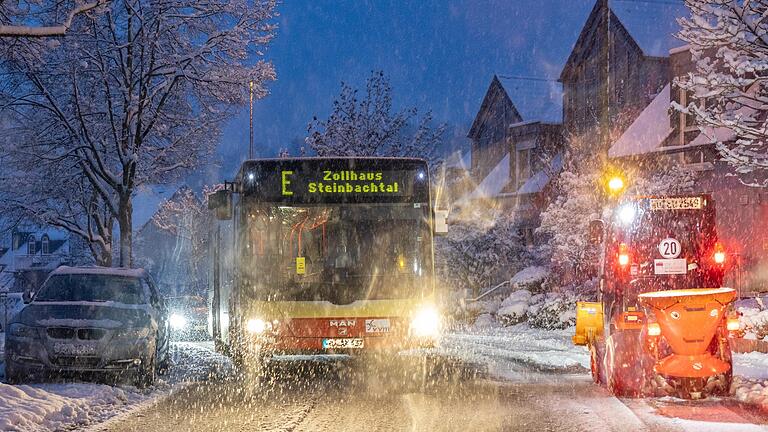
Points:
[440,56]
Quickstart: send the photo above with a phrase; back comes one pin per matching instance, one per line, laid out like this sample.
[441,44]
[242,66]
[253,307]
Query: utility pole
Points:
[250,142]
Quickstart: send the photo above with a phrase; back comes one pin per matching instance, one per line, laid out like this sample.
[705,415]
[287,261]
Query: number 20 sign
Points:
[669,248]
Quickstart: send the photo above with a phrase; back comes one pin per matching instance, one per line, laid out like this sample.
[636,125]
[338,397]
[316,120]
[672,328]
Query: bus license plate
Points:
[342,343]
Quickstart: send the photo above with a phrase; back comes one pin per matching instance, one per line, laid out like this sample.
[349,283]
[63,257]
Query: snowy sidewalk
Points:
[75,405]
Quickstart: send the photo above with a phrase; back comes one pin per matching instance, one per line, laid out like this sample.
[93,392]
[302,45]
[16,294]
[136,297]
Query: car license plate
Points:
[74,349]
[342,343]
[670,266]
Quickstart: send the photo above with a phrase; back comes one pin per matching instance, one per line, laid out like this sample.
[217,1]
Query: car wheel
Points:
[146,374]
[164,364]
[12,373]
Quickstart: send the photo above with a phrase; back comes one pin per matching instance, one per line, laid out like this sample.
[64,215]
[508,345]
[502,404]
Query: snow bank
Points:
[514,308]
[750,379]
[529,276]
[59,406]
[753,318]
[68,406]
[552,310]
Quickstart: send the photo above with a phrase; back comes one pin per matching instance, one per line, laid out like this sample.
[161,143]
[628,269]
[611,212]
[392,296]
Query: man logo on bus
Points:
[286,182]
[342,323]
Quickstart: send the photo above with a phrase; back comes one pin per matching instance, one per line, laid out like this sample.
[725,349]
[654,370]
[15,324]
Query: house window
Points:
[31,244]
[524,166]
[45,245]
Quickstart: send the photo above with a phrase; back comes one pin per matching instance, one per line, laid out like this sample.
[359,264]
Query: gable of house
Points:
[495,108]
[608,77]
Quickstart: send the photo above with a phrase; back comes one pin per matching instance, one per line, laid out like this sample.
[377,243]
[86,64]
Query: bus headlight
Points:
[177,321]
[257,326]
[426,322]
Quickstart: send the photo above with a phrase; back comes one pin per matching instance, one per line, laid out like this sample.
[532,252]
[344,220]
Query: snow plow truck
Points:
[661,324]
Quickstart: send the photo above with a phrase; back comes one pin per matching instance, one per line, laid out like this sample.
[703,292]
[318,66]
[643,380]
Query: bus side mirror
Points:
[596,231]
[221,202]
[441,222]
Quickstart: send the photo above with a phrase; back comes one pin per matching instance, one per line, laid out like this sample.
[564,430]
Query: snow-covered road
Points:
[536,380]
[512,378]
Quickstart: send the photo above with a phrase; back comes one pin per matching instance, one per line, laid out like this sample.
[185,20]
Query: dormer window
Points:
[31,244]
[45,245]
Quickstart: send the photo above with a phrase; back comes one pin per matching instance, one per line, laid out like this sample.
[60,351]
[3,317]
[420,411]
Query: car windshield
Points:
[91,288]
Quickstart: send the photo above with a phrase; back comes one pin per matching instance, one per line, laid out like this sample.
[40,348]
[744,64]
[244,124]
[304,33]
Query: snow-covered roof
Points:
[113,271]
[494,182]
[649,130]
[538,181]
[535,100]
[652,25]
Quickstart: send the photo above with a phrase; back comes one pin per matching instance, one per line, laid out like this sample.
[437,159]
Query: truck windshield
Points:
[91,288]
[336,253]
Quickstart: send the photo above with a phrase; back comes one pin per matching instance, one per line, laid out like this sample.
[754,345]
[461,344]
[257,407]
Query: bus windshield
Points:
[338,253]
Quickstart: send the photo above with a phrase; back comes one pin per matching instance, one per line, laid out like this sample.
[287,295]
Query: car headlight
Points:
[21,330]
[132,333]
[426,322]
[257,326]
[177,321]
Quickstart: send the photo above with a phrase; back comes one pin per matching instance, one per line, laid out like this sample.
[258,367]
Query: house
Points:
[662,139]
[515,151]
[616,67]
[30,254]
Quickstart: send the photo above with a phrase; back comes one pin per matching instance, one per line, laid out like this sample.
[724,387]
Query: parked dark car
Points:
[90,319]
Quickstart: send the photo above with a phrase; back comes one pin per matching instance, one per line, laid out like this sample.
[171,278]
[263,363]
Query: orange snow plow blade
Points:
[689,319]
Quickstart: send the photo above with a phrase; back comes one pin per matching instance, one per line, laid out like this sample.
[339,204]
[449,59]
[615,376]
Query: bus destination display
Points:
[321,181]
[342,182]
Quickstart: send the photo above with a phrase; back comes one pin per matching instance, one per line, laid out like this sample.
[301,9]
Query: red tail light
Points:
[623,255]
[719,255]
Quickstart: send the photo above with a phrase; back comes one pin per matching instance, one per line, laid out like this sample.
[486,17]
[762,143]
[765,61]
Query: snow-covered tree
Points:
[370,126]
[474,256]
[565,225]
[138,94]
[33,19]
[35,190]
[729,45]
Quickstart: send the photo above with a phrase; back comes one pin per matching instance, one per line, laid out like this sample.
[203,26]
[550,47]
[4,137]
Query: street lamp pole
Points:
[250,142]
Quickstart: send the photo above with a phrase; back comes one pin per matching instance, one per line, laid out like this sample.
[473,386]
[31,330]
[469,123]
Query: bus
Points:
[323,256]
